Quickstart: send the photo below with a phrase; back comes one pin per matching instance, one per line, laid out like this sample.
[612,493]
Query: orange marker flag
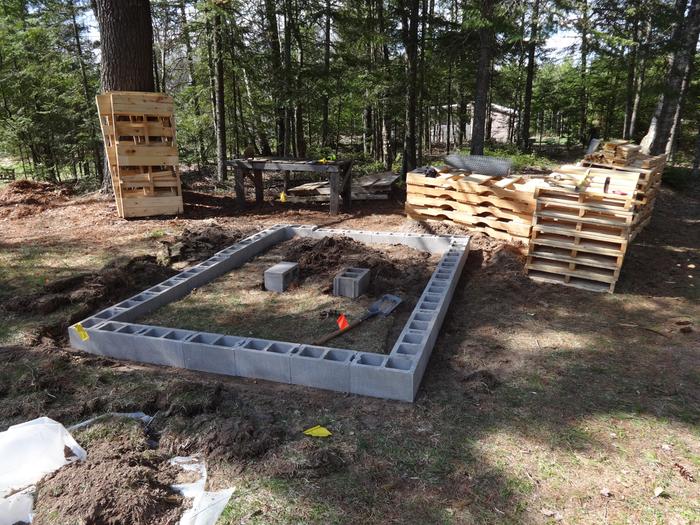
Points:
[342,322]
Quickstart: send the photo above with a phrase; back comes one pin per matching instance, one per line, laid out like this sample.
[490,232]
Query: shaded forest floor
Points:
[540,403]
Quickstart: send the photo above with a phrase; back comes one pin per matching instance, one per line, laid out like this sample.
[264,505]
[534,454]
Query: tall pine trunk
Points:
[126,46]
[409,30]
[483,78]
[219,97]
[524,142]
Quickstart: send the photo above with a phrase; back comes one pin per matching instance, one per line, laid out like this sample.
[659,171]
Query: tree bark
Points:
[126,46]
[273,41]
[409,30]
[659,136]
[220,106]
[483,78]
[583,108]
[525,145]
[87,94]
[325,99]
[201,157]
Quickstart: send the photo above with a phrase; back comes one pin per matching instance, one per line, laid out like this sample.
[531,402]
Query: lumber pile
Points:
[501,207]
[138,130]
[581,228]
[376,186]
[649,169]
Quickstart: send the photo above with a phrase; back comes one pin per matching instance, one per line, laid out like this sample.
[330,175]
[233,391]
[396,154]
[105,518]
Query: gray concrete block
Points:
[322,367]
[280,276]
[388,377]
[264,359]
[212,353]
[351,282]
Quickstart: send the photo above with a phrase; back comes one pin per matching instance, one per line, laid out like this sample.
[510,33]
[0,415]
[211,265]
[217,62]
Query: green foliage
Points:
[45,119]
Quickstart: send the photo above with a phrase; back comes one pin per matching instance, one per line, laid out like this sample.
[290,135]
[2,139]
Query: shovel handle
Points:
[335,334]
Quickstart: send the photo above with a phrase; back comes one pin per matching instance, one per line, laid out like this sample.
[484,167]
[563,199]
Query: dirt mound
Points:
[306,459]
[24,197]
[200,243]
[122,481]
[115,281]
[323,258]
[214,421]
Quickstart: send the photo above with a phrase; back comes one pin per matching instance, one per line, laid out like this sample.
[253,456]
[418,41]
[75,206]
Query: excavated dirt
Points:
[24,197]
[91,291]
[122,481]
[324,258]
[198,243]
[214,421]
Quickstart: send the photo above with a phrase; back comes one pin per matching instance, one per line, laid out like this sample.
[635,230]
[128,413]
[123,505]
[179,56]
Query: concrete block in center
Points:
[280,276]
[351,282]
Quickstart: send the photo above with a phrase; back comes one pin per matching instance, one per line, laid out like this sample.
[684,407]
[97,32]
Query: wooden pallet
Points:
[139,135]
[376,186]
[579,239]
[501,207]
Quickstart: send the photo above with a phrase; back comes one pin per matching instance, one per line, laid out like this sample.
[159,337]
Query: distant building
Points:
[499,124]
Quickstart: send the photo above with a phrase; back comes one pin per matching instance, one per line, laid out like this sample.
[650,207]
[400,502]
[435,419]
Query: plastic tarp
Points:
[33,449]
[28,452]
[207,506]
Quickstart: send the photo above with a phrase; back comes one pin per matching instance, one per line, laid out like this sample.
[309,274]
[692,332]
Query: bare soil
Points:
[238,304]
[122,481]
[540,403]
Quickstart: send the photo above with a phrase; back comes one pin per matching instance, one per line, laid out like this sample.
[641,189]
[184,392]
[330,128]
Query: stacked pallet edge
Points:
[574,224]
[138,130]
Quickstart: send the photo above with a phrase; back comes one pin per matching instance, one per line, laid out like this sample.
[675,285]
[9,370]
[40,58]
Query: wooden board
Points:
[139,134]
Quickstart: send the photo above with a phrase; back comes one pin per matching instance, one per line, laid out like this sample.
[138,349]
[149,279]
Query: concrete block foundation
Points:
[113,332]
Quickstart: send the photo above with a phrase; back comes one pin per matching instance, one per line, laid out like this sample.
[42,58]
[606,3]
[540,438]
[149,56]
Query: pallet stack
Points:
[649,169]
[581,229]
[138,130]
[501,207]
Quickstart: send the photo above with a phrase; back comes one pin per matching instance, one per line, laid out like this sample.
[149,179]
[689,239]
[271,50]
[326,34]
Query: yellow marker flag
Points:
[318,431]
[283,197]
[82,332]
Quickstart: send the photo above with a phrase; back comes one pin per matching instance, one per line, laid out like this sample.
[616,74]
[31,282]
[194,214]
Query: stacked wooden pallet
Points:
[581,229]
[621,152]
[649,169]
[501,207]
[376,186]
[138,130]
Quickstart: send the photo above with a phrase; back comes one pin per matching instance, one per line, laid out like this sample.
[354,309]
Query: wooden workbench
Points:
[338,173]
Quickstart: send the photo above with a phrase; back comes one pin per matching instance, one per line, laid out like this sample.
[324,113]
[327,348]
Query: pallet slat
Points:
[139,134]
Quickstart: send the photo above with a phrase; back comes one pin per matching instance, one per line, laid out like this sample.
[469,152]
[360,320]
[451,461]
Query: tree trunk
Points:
[201,158]
[88,96]
[409,30]
[219,97]
[525,145]
[326,74]
[126,47]
[483,79]
[583,111]
[386,113]
[273,41]
[659,135]
[632,60]
[639,81]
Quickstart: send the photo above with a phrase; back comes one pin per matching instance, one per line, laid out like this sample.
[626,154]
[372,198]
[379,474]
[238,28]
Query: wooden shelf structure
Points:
[138,130]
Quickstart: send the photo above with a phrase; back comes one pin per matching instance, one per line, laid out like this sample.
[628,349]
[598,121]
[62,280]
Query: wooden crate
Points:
[138,130]
[498,206]
[579,238]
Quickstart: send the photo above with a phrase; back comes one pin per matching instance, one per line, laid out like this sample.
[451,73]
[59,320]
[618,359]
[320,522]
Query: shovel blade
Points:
[386,304]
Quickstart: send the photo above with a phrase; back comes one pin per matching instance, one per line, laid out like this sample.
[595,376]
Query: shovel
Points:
[383,306]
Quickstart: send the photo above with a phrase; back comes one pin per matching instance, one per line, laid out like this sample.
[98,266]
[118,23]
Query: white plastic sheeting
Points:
[28,452]
[207,506]
[33,449]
